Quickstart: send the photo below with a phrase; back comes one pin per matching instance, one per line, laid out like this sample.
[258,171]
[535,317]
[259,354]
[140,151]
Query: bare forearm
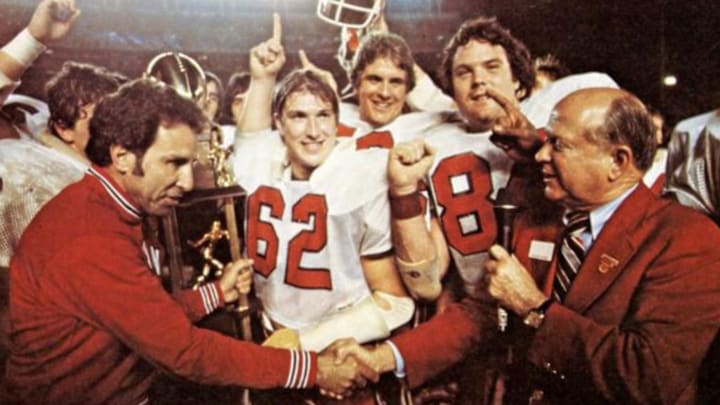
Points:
[12,69]
[412,240]
[410,231]
[257,115]
[421,260]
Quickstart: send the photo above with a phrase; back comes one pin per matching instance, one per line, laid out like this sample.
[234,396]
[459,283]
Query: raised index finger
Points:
[304,61]
[277,28]
[504,102]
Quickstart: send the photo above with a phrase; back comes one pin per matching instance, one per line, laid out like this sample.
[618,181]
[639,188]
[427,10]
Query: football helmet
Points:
[356,14]
[180,72]
[356,18]
[28,114]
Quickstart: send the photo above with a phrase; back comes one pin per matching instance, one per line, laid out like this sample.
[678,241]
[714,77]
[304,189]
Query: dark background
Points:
[636,42]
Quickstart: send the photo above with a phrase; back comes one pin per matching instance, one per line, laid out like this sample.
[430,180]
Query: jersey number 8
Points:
[462,187]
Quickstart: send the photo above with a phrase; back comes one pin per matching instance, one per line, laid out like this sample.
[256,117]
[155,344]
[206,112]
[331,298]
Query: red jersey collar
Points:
[115,192]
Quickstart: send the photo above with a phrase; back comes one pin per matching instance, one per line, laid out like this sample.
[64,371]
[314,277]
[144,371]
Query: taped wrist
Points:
[365,321]
[421,278]
[406,206]
[24,48]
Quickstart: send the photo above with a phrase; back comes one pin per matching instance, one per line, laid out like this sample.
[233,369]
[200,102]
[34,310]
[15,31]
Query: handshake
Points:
[345,366]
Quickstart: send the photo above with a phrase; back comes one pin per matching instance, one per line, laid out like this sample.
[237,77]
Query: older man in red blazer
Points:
[619,309]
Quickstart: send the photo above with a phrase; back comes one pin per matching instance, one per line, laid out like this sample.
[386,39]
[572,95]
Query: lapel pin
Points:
[607,263]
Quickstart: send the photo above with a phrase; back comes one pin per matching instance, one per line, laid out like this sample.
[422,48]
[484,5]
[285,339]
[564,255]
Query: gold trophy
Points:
[206,217]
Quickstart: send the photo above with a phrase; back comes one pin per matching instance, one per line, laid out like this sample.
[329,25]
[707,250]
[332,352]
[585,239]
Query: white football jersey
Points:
[307,237]
[405,127]
[464,180]
[32,174]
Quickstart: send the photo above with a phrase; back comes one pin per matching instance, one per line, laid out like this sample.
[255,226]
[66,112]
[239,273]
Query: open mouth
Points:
[383,106]
[313,146]
[479,97]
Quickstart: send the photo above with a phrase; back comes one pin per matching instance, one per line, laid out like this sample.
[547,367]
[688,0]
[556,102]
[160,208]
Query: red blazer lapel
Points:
[610,253]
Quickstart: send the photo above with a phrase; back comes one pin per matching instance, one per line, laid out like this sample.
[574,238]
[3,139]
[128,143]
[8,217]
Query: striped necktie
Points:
[572,253]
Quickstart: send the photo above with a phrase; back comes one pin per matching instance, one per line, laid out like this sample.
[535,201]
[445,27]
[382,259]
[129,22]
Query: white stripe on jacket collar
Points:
[115,194]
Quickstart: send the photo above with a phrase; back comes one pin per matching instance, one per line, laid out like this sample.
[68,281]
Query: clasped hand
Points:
[345,366]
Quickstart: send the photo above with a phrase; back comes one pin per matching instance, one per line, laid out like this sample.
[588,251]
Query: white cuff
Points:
[299,372]
[210,297]
[24,48]
[399,361]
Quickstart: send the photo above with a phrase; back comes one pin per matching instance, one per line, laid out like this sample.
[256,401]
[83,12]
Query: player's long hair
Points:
[75,86]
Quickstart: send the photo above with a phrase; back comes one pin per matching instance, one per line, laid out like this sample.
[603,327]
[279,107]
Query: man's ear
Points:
[622,161]
[520,93]
[67,135]
[122,159]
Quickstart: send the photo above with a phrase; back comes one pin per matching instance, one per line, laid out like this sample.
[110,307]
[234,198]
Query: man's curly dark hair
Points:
[490,30]
[132,116]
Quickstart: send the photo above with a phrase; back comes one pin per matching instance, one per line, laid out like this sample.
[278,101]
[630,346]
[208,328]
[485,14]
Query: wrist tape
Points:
[24,48]
[406,206]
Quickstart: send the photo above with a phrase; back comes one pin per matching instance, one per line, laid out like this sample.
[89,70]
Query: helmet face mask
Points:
[180,72]
[357,14]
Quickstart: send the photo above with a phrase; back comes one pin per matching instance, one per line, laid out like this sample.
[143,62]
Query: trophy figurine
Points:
[219,159]
[206,244]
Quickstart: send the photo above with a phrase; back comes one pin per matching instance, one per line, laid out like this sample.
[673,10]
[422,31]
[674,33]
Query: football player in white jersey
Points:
[383,74]
[464,171]
[317,224]
[463,167]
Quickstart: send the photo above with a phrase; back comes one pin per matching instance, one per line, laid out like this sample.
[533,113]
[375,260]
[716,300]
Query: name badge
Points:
[541,250]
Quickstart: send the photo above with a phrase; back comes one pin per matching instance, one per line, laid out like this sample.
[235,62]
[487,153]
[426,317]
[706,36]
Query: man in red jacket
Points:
[90,321]
[616,300]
